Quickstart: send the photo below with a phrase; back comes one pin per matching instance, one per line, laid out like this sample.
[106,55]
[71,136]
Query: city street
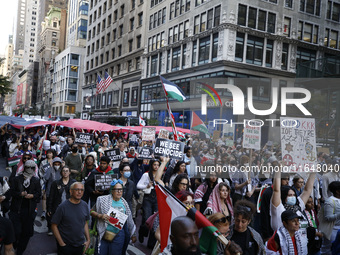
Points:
[42,244]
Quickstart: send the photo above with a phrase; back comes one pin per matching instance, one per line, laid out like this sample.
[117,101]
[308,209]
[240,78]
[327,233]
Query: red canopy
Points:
[41,123]
[138,129]
[88,124]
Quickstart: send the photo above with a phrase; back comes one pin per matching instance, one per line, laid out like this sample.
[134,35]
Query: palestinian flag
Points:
[13,161]
[198,124]
[170,208]
[172,90]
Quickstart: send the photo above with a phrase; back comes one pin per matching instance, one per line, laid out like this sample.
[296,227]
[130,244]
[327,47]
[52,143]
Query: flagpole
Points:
[220,236]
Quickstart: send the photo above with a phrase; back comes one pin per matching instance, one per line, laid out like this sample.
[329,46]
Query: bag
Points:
[326,227]
[109,236]
[93,240]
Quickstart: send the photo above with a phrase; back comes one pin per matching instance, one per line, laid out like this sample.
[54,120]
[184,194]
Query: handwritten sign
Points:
[298,143]
[169,148]
[84,138]
[252,135]
[117,218]
[102,182]
[113,154]
[163,133]
[145,152]
[148,133]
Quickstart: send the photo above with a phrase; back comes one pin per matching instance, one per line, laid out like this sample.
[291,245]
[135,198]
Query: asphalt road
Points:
[42,244]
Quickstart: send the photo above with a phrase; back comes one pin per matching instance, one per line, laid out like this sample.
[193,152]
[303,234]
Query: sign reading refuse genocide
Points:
[102,182]
[169,148]
[145,152]
[113,154]
[84,138]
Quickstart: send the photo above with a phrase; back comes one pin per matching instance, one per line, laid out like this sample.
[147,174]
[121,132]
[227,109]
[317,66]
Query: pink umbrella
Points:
[88,124]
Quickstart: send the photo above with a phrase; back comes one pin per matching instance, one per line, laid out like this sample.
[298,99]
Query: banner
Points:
[113,154]
[228,134]
[298,143]
[252,135]
[216,135]
[163,133]
[102,182]
[148,133]
[84,138]
[145,152]
[169,148]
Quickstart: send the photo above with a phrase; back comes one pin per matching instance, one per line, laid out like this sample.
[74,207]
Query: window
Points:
[130,45]
[184,52]
[272,1]
[242,15]
[119,50]
[154,60]
[286,26]
[109,20]
[310,6]
[194,53]
[121,30]
[140,19]
[134,97]
[139,41]
[103,100]
[114,34]
[113,53]
[262,20]
[304,55]
[289,3]
[151,22]
[170,37]
[308,32]
[196,24]
[176,56]
[109,99]
[239,47]
[172,11]
[269,53]
[115,16]
[132,22]
[252,17]
[331,39]
[186,28]
[115,98]
[204,50]
[133,4]
[203,22]
[122,11]
[215,47]
[137,63]
[126,97]
[254,53]
[333,11]
[271,22]
[129,65]
[108,37]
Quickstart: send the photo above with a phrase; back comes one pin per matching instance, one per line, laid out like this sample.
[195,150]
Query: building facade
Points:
[115,43]
[247,43]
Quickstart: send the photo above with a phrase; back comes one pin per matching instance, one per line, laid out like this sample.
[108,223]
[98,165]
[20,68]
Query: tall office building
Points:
[115,43]
[19,38]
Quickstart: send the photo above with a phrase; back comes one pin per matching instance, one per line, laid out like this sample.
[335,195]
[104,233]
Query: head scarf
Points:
[28,172]
[214,201]
[20,168]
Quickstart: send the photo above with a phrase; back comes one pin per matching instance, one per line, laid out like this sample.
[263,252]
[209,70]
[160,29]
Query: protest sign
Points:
[298,143]
[216,135]
[102,182]
[113,154]
[84,138]
[252,135]
[148,133]
[117,218]
[169,148]
[47,167]
[228,134]
[145,152]
[323,149]
[163,133]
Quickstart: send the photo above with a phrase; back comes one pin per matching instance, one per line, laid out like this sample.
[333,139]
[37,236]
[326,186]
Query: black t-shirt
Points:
[6,232]
[246,241]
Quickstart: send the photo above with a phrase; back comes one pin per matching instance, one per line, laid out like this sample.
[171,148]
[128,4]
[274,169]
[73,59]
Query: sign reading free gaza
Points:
[169,148]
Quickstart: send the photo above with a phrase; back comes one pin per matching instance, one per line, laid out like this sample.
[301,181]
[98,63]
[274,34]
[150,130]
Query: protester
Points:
[129,187]
[89,165]
[75,160]
[220,201]
[287,239]
[180,168]
[7,236]
[180,183]
[203,191]
[298,183]
[111,239]
[26,193]
[69,223]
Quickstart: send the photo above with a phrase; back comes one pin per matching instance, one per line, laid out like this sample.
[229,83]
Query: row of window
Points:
[96,29]
[207,20]
[178,32]
[331,38]
[333,11]
[308,32]
[156,41]
[114,70]
[157,19]
[256,18]
[155,2]
[178,8]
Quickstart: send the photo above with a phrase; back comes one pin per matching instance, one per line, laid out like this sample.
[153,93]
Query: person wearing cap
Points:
[52,173]
[90,185]
[26,193]
[288,240]
[70,223]
[113,240]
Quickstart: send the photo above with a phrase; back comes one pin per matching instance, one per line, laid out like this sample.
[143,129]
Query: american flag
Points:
[100,84]
[107,81]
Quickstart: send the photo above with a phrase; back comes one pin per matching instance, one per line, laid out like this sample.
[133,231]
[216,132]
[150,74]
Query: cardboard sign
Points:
[102,182]
[298,143]
[84,138]
[169,148]
[228,134]
[323,149]
[163,133]
[113,154]
[117,218]
[145,152]
[252,135]
[216,135]
[148,133]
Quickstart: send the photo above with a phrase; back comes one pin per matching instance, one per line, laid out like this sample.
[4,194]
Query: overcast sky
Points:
[7,13]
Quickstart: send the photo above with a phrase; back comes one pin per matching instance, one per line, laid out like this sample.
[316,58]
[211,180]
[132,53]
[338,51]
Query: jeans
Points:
[118,245]
[70,250]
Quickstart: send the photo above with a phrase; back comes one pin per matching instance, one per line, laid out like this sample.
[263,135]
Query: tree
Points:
[5,84]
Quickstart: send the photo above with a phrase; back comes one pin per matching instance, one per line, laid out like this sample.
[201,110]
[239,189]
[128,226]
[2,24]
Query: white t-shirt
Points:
[276,212]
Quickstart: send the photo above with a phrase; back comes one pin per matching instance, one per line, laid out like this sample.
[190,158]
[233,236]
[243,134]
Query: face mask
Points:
[127,174]
[291,200]
[56,167]
[74,150]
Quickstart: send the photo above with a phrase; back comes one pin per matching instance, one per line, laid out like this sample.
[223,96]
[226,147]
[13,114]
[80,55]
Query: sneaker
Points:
[43,215]
[50,233]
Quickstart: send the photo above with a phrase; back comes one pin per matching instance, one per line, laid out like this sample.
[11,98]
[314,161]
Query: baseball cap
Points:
[289,215]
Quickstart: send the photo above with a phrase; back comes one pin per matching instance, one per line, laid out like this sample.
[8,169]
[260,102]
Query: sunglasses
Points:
[223,220]
[26,158]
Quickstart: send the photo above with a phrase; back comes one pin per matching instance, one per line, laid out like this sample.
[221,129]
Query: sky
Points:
[7,14]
